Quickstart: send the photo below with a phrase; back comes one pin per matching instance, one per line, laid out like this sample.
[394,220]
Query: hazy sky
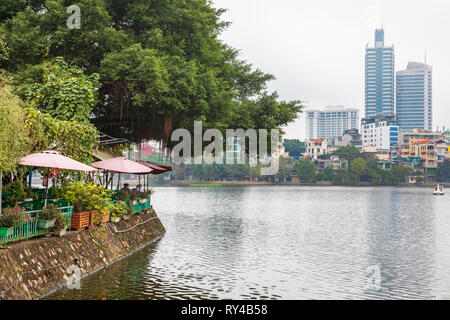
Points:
[316,48]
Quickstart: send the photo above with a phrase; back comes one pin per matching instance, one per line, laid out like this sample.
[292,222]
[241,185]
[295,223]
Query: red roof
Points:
[316,140]
[422,142]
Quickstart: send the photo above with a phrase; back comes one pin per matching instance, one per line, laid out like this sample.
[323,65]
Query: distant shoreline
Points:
[219,184]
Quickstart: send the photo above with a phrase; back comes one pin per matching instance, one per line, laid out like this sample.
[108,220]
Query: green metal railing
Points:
[138,207]
[31,227]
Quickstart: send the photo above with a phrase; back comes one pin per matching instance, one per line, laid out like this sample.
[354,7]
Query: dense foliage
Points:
[14,142]
[443,171]
[87,197]
[294,147]
[306,170]
[160,62]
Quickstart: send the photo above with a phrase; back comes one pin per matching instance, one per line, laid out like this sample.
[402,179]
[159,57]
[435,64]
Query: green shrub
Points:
[119,209]
[87,197]
[16,191]
[61,222]
[49,213]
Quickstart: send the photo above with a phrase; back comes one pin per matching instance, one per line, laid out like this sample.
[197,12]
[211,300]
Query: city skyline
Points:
[315,44]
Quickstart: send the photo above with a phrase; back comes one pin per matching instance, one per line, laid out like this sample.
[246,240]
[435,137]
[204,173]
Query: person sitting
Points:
[126,187]
[139,188]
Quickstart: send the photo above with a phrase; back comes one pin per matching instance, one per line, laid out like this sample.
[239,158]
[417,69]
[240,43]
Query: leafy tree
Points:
[400,173]
[349,153]
[328,173]
[443,171]
[305,169]
[358,167]
[161,66]
[64,92]
[14,142]
[74,139]
[4,53]
[294,147]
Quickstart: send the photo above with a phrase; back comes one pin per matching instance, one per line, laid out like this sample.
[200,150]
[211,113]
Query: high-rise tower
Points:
[379,80]
[414,97]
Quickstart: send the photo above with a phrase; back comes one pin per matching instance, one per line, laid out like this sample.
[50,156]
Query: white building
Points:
[414,97]
[316,148]
[381,133]
[331,122]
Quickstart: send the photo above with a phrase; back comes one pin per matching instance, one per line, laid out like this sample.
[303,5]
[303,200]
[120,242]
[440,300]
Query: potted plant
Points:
[11,218]
[118,210]
[88,201]
[133,197]
[129,211]
[122,195]
[47,217]
[31,196]
[61,224]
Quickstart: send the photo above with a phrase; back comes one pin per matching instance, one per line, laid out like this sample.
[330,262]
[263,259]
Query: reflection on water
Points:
[286,243]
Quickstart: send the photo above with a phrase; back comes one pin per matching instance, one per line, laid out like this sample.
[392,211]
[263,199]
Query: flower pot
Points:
[115,220]
[142,201]
[103,219]
[27,199]
[80,220]
[45,224]
[6,232]
[134,202]
[127,217]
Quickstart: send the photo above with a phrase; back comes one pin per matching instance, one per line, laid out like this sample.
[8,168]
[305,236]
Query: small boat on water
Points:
[438,190]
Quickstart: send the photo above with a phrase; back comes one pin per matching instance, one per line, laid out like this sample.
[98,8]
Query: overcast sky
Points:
[316,48]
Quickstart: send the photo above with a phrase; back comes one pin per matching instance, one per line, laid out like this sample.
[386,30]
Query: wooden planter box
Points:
[93,214]
[80,220]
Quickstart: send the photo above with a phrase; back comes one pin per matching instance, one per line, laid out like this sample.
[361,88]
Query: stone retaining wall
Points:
[29,270]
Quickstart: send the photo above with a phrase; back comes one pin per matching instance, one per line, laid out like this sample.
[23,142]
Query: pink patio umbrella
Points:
[122,165]
[52,159]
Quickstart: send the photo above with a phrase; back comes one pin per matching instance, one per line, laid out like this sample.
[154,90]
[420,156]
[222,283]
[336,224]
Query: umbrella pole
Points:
[30,177]
[46,188]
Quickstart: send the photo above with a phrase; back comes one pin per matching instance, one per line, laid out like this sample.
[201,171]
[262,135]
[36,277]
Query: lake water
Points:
[287,242]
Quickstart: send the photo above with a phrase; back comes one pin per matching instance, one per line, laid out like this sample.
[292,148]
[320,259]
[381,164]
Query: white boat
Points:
[438,190]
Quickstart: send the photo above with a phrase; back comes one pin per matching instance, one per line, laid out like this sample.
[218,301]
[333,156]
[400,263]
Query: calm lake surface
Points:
[283,242]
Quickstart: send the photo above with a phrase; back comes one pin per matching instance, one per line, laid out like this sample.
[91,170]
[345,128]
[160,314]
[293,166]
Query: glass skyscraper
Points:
[379,80]
[414,97]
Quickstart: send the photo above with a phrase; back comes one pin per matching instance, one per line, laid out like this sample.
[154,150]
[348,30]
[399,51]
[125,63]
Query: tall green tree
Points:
[60,90]
[305,169]
[161,64]
[443,171]
[358,167]
[294,147]
[348,153]
[14,142]
[400,173]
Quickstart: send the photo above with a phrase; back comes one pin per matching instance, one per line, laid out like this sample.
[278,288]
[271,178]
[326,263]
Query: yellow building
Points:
[421,144]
